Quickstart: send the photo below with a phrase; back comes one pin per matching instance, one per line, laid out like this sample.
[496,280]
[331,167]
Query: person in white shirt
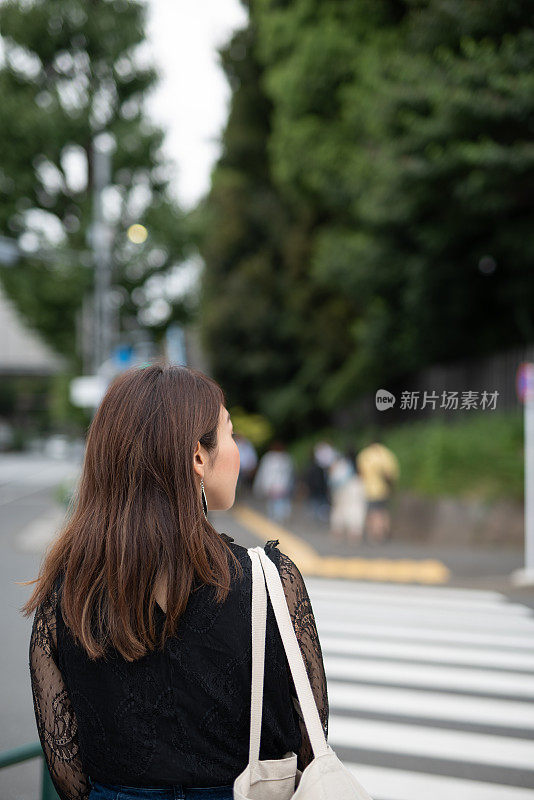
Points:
[274,481]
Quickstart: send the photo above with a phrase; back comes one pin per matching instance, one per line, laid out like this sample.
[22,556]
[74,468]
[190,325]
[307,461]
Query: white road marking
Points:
[430,705]
[418,740]
[398,784]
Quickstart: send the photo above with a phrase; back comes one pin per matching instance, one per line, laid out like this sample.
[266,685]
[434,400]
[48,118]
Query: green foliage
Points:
[255,427]
[71,71]
[480,457]
[394,143]
[420,162]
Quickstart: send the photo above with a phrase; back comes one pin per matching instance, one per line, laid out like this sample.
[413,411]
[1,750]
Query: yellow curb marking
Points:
[310,562]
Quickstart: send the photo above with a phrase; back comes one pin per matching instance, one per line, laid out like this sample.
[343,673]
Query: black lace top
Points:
[182,715]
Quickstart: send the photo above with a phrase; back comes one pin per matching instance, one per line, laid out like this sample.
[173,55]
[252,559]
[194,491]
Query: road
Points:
[26,498]
[431,689]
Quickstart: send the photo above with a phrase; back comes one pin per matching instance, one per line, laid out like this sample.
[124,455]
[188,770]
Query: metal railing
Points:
[24,753]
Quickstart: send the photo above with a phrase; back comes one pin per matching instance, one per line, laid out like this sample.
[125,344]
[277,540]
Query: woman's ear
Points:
[198,461]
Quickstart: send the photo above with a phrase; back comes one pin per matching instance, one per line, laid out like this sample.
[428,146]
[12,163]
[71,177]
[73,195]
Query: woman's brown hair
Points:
[136,515]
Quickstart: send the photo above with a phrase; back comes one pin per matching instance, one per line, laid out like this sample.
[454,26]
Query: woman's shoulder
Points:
[286,567]
[289,572]
[44,630]
[270,548]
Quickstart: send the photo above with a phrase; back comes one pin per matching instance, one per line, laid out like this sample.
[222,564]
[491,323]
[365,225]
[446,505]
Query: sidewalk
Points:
[478,567]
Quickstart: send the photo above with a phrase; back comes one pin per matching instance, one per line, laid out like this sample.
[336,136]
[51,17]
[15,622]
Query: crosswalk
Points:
[431,689]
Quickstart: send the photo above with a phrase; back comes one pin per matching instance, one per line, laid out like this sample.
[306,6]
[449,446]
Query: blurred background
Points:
[327,206]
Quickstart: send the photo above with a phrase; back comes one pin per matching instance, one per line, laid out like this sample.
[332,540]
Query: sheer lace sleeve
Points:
[301,612]
[56,722]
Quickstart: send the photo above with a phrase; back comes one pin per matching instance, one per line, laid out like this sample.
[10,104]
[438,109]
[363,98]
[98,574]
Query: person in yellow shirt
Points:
[379,471]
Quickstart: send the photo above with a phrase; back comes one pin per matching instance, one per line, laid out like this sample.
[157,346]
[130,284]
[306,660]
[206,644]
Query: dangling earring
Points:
[204,501]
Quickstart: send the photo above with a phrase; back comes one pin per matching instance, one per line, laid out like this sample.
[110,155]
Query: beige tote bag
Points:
[325,777]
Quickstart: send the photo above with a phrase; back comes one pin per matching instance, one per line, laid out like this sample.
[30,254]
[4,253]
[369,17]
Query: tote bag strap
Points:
[293,652]
[259,621]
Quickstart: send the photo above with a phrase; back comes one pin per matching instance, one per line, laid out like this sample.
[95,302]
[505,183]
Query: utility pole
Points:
[525,390]
[529,476]
[103,146]
[84,333]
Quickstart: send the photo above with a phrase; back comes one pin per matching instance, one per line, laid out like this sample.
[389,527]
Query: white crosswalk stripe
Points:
[444,654]
[406,785]
[502,641]
[427,615]
[431,705]
[431,689]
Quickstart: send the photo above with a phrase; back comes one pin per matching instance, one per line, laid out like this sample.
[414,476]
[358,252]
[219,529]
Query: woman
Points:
[140,651]
[347,514]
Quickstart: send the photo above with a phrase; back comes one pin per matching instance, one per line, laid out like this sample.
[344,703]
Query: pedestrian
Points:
[140,649]
[315,481]
[379,469]
[274,481]
[348,499]
[248,460]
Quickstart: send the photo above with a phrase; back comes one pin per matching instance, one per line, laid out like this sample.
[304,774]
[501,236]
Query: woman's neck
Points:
[161,593]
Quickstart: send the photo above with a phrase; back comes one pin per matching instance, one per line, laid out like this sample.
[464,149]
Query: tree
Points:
[395,144]
[244,327]
[72,70]
[406,128]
